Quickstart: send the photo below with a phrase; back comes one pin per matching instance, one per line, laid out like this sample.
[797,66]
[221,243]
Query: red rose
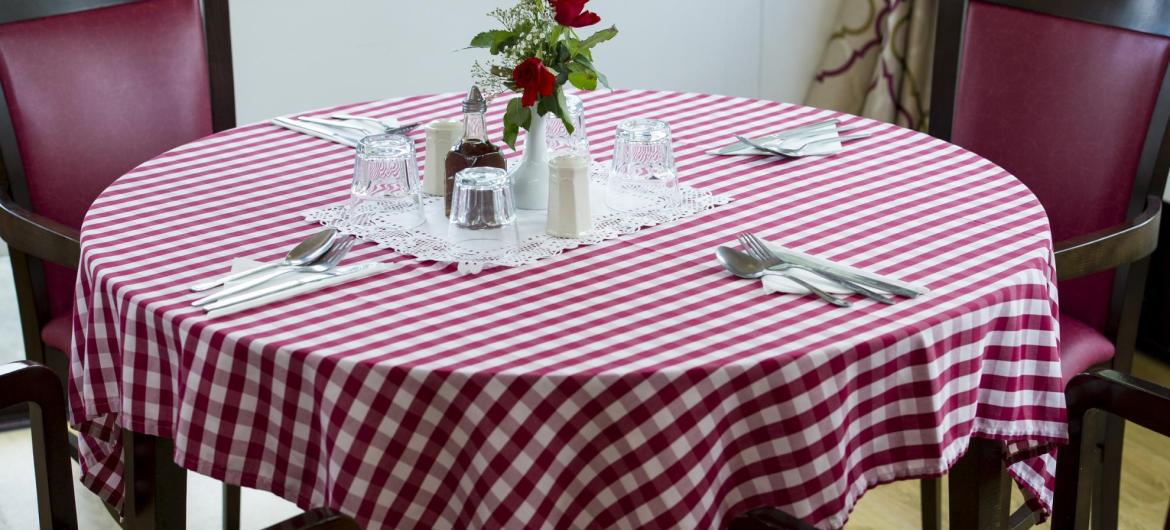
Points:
[572,13]
[536,80]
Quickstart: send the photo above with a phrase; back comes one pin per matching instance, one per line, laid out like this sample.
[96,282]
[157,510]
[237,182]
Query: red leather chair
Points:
[28,382]
[1070,97]
[89,89]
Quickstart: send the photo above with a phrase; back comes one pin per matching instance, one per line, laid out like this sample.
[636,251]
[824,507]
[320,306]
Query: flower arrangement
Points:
[536,53]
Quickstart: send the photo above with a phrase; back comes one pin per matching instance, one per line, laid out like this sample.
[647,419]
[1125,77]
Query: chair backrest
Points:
[1070,97]
[28,382]
[91,88]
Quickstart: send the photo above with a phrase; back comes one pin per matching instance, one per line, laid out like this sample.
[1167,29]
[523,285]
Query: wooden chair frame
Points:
[1125,248]
[1110,391]
[34,239]
[29,382]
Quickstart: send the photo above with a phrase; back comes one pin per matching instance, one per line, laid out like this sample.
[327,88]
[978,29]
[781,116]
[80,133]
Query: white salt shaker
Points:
[442,135]
[568,197]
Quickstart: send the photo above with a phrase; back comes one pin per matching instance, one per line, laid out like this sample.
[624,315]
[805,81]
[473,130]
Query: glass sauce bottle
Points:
[474,150]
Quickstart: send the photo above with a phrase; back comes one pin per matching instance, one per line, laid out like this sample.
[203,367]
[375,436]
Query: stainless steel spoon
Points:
[304,253]
[745,266]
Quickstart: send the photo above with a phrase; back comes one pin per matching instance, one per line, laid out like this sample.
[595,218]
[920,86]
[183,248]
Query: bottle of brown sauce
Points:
[474,150]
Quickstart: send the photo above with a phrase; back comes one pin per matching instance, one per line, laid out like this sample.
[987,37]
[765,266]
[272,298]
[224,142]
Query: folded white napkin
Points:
[822,132]
[324,132]
[779,284]
[244,264]
[825,148]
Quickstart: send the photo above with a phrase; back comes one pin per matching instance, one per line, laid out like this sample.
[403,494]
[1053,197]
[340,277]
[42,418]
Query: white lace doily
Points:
[429,241]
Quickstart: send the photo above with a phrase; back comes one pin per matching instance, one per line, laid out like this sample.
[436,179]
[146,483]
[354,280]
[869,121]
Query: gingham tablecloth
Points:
[629,384]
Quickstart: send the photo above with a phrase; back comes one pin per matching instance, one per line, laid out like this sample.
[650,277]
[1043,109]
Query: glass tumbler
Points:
[643,173]
[560,141]
[385,189]
[483,209]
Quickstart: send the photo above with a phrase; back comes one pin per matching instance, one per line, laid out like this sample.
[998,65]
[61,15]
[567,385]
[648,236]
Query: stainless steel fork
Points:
[327,262]
[756,247]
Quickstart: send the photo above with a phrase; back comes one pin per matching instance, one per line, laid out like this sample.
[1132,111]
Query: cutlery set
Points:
[313,260]
[762,260]
[345,129]
[817,139]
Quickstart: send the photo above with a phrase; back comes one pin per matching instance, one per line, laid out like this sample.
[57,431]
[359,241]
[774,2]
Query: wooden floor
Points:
[1145,479]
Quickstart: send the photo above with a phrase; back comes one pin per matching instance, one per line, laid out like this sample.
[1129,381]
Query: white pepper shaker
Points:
[568,197]
[442,135]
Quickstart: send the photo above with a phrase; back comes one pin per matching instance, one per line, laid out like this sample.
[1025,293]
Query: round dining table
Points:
[628,384]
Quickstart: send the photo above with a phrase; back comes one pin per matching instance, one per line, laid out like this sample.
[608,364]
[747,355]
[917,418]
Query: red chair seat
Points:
[58,333]
[1081,346]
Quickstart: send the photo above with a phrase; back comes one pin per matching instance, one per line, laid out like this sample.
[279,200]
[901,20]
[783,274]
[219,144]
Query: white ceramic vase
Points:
[530,178]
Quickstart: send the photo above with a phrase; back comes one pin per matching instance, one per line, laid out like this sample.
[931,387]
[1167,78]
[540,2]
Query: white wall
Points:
[293,55]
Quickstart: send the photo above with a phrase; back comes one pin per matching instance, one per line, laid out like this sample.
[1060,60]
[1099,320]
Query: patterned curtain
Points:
[877,63]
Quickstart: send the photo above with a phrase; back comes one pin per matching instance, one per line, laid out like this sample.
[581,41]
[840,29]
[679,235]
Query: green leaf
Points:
[563,110]
[555,35]
[494,40]
[600,37]
[504,39]
[483,40]
[585,79]
[546,104]
[562,53]
[601,77]
[515,117]
[587,64]
[554,105]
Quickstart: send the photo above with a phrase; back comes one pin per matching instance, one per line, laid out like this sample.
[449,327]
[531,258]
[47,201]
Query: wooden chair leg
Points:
[1075,471]
[231,507]
[40,466]
[931,500]
[156,488]
[978,485]
[1107,487]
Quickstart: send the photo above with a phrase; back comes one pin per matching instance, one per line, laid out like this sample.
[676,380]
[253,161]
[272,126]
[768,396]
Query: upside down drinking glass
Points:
[643,173]
[385,189]
[560,140]
[483,209]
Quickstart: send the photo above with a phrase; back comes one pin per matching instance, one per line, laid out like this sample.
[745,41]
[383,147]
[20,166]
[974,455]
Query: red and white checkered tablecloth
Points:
[630,384]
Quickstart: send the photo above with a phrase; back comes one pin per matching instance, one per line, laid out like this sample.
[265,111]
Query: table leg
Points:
[978,486]
[156,488]
[231,507]
[931,500]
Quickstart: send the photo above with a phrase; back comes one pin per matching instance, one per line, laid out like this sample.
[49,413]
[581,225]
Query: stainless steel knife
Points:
[799,259]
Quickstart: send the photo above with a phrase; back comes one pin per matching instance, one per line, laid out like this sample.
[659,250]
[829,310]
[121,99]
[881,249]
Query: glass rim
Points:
[482,177]
[644,130]
[388,145]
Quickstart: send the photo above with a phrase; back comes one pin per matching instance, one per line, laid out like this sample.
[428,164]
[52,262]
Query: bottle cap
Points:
[474,101]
